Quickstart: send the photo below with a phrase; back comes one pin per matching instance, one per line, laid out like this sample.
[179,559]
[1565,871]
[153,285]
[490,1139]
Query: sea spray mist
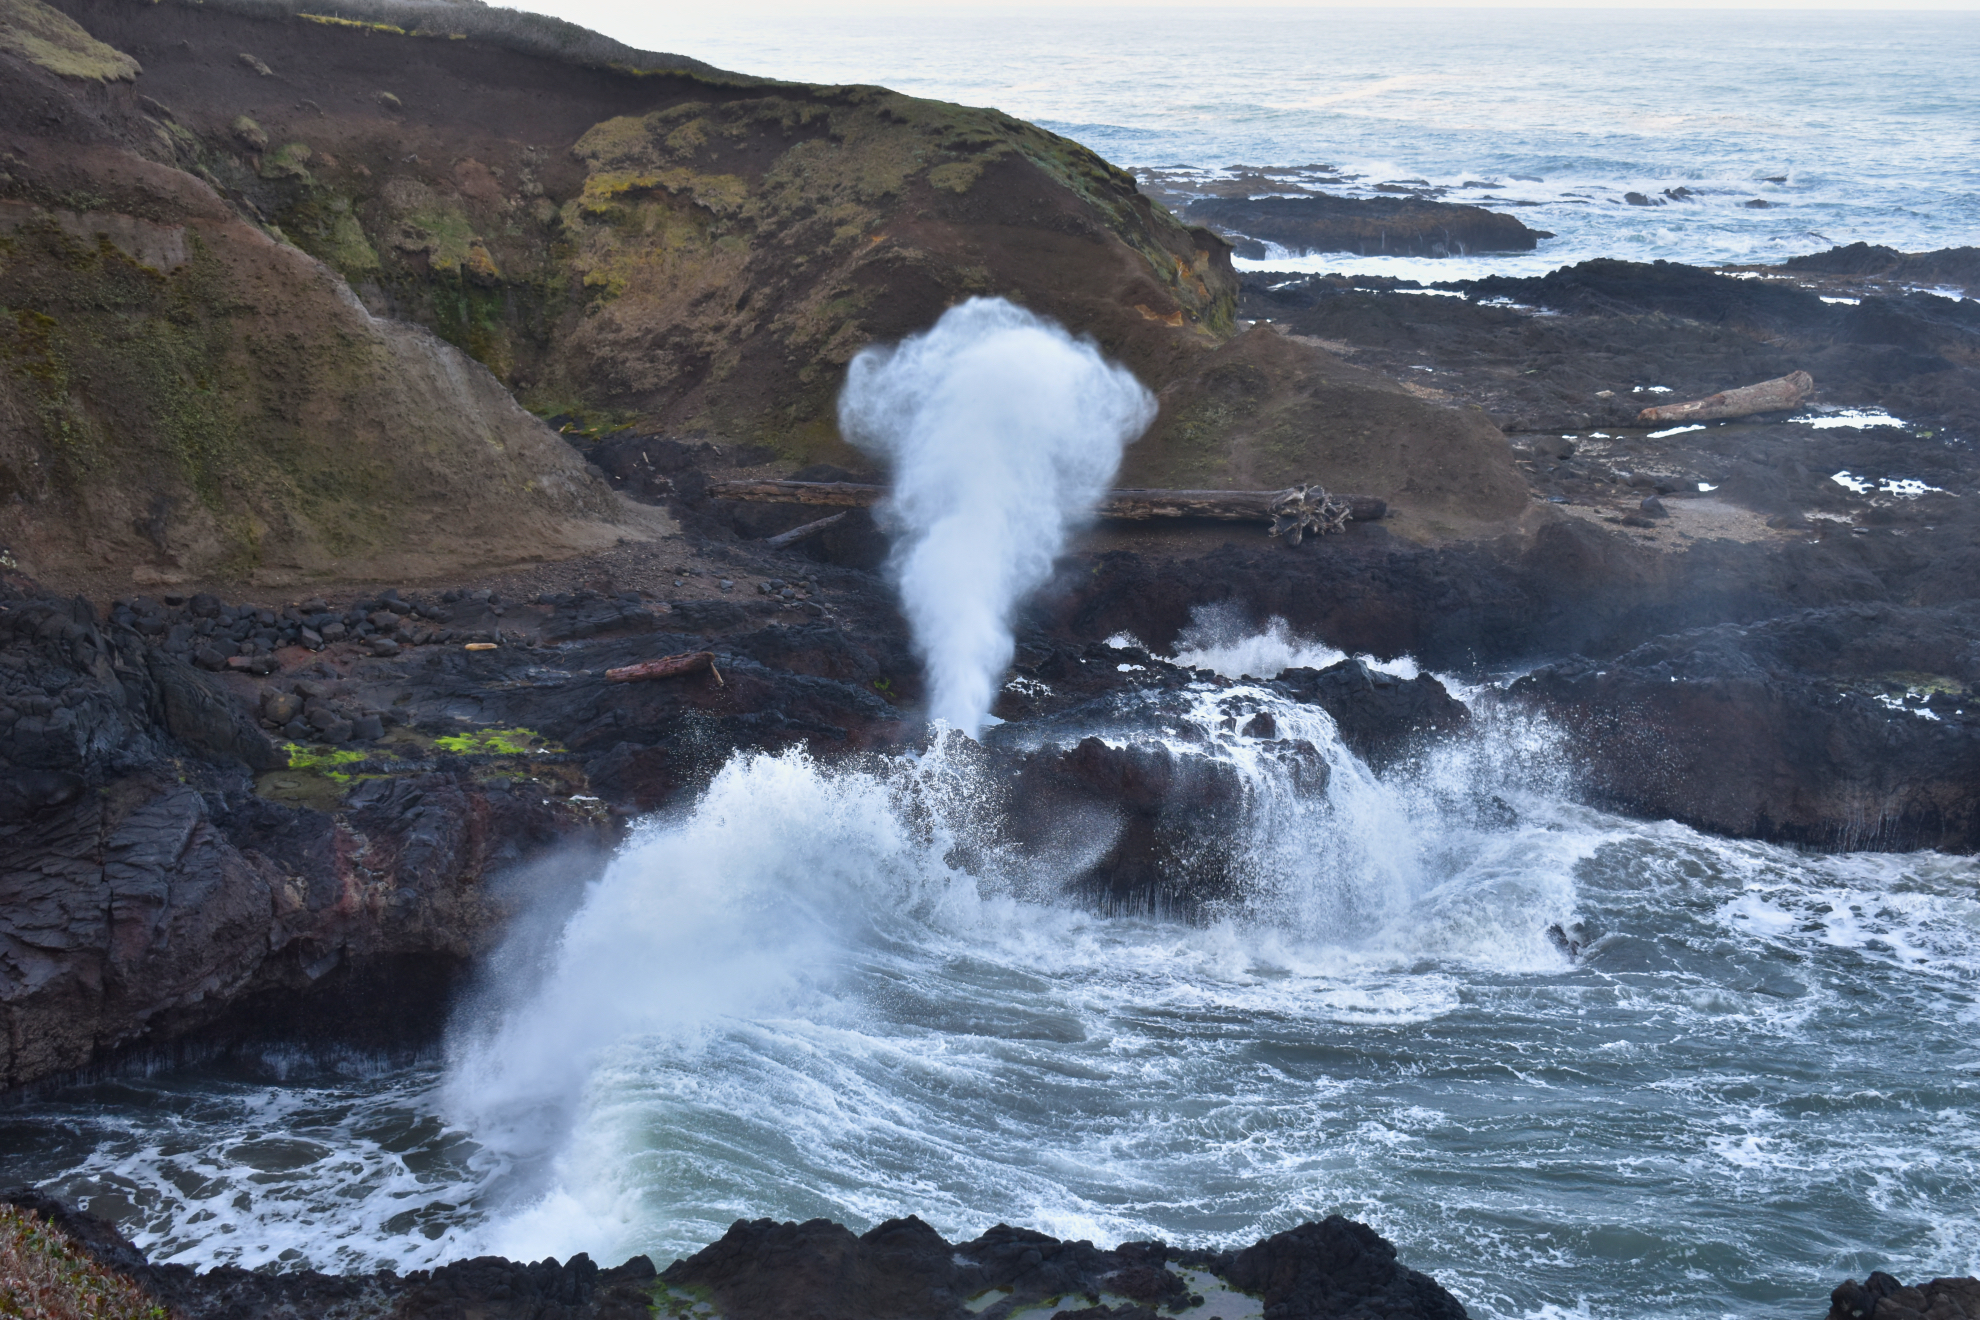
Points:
[1002,432]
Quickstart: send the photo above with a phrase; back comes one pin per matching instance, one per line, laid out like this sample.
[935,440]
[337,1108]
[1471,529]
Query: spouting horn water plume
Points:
[1002,431]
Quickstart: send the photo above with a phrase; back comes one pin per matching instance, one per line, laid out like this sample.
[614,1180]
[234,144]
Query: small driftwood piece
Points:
[1768,396]
[1135,505]
[796,534]
[667,666]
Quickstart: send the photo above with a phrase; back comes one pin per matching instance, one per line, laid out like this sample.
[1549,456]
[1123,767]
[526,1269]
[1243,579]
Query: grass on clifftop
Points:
[44,1274]
[59,44]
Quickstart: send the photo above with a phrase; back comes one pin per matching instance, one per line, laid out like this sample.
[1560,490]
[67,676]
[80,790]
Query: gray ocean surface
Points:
[814,993]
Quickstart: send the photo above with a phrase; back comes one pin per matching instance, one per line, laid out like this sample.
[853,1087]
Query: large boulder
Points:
[1882,1297]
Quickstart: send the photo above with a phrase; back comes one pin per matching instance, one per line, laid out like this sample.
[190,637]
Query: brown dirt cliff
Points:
[184,395]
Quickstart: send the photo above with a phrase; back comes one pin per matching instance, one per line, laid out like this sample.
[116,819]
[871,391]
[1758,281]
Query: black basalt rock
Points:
[1379,715]
[1337,1270]
[1847,727]
[764,1270]
[819,1270]
[1882,1297]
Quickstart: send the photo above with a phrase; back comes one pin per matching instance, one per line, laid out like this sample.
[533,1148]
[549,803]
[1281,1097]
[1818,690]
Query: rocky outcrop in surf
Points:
[1365,226]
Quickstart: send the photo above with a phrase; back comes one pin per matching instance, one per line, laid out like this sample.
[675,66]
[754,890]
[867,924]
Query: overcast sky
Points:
[629,19]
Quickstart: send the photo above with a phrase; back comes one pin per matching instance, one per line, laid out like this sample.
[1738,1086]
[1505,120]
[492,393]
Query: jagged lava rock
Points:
[1378,714]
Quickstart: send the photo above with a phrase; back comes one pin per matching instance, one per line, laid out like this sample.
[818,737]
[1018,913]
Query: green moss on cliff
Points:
[159,358]
[325,225]
[288,161]
[145,380]
[724,257]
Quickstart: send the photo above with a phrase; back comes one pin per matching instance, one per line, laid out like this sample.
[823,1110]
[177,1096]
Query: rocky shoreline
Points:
[271,801]
[1335,1269]
[818,1270]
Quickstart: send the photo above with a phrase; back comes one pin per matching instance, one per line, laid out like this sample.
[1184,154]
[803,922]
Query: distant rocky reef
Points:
[1364,226]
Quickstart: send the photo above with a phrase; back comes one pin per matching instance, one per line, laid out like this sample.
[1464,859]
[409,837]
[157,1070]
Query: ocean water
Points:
[1573,1064]
[1869,120]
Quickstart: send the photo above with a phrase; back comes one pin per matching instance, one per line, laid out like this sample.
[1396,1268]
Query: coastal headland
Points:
[363,378]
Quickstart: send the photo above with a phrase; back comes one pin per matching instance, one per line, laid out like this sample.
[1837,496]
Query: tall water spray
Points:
[1002,431]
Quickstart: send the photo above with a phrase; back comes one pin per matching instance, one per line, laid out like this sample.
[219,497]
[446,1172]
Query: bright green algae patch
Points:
[310,758]
[497,742]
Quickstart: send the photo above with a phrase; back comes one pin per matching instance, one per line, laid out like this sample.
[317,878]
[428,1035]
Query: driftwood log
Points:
[796,534]
[667,666]
[1768,396]
[1266,506]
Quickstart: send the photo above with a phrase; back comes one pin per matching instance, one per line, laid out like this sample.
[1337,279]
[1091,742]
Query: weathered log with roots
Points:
[1768,396]
[1293,513]
[1306,509]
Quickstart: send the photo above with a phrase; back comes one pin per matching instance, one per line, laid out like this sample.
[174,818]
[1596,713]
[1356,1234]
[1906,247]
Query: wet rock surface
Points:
[149,889]
[1850,727]
[903,1268]
[304,845]
[1882,1297]
[1379,715]
[819,1270]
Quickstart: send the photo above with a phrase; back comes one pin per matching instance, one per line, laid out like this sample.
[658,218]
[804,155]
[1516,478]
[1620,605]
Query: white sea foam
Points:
[1907,488]
[748,934]
[1001,432]
[1222,641]
[1853,418]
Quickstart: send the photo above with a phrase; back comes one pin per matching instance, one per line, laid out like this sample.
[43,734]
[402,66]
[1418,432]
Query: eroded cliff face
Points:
[696,249]
[184,395]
